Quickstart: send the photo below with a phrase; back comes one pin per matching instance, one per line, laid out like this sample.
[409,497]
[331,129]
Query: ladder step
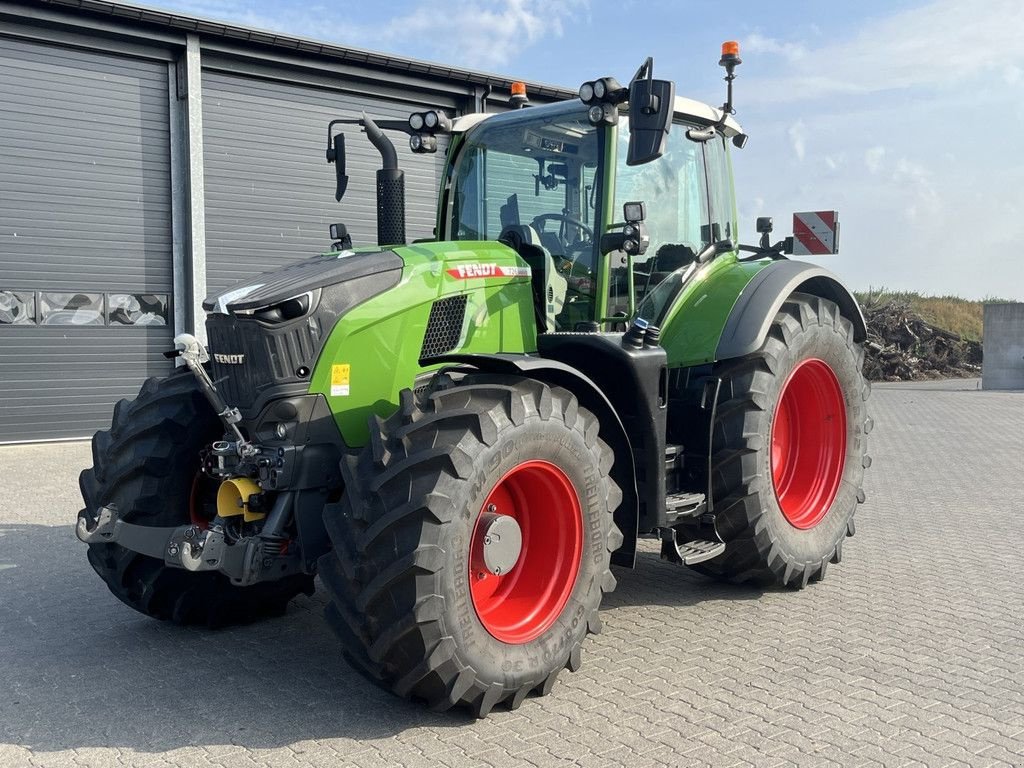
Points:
[680,505]
[688,552]
[693,552]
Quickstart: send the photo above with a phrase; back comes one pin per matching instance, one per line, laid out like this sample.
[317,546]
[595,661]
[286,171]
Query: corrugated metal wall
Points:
[85,215]
[269,189]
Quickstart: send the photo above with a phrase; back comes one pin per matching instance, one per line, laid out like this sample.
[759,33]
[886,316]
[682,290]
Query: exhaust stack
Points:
[390,188]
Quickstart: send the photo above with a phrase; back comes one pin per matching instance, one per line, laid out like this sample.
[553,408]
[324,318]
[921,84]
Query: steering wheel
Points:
[539,222]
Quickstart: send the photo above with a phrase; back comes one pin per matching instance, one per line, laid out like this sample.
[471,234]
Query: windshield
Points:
[530,177]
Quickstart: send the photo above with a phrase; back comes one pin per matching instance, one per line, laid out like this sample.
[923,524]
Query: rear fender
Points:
[751,317]
[593,399]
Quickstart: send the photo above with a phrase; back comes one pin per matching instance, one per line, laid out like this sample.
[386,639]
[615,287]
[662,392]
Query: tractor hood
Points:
[301,277]
[265,334]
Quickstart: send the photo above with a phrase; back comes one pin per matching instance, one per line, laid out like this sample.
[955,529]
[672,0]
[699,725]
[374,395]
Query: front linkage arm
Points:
[247,561]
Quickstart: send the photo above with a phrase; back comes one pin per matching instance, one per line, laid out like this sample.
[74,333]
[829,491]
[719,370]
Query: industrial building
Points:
[147,158]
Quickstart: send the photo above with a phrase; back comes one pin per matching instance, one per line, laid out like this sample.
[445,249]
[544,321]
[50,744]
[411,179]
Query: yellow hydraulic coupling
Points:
[233,498]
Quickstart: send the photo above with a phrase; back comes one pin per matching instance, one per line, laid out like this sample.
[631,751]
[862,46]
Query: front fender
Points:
[725,311]
[755,308]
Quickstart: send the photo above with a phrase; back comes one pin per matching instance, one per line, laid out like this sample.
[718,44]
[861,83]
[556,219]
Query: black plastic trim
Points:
[306,275]
[761,299]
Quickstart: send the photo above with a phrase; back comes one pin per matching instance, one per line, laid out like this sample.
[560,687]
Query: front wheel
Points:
[790,448]
[472,545]
[147,465]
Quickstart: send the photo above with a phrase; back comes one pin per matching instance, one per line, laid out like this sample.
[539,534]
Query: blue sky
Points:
[907,117]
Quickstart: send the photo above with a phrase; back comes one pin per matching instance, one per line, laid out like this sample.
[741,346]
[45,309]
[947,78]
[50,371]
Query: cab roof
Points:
[684,108]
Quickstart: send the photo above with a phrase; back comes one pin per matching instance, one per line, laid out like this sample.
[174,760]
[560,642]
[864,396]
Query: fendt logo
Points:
[484,271]
[229,359]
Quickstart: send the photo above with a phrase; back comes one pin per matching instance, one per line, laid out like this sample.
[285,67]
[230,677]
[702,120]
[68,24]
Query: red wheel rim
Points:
[519,606]
[808,443]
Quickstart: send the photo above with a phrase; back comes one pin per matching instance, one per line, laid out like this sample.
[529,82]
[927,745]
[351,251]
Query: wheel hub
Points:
[525,552]
[502,542]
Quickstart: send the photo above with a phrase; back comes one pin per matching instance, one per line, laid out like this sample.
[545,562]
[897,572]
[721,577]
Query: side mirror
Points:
[651,103]
[336,155]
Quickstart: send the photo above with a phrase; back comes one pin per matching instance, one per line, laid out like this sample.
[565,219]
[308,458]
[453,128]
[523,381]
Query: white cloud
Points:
[471,33]
[480,33]
[916,183]
[835,161]
[935,45]
[757,43]
[798,138]
[873,158]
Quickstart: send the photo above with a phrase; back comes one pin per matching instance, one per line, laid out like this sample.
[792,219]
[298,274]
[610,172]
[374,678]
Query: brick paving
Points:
[911,652]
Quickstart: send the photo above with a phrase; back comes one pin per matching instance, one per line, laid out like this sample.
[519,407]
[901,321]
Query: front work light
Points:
[603,113]
[422,143]
[603,90]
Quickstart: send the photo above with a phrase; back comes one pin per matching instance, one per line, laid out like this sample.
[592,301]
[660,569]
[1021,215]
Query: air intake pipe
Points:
[390,188]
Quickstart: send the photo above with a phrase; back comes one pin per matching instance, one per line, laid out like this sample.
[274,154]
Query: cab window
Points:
[674,187]
[723,208]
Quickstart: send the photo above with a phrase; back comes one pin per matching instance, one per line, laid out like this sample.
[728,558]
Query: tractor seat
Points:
[524,240]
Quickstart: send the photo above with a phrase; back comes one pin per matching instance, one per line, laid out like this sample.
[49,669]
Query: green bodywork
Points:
[380,340]
[693,325]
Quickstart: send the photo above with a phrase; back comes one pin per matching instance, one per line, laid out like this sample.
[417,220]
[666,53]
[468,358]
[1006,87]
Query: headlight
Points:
[283,311]
[586,92]
[416,121]
[599,89]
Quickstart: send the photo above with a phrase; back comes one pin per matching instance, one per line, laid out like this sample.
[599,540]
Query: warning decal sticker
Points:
[339,379]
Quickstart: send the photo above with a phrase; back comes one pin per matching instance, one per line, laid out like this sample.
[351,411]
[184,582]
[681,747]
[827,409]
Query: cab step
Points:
[688,552]
[684,505]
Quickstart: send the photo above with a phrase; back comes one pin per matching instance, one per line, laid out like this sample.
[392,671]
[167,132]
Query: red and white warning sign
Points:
[484,271]
[815,233]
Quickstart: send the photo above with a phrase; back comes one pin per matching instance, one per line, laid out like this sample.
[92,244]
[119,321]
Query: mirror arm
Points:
[777,251]
[612,241]
[714,250]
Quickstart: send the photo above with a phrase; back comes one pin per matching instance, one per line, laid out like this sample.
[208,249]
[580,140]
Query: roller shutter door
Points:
[269,189]
[85,236]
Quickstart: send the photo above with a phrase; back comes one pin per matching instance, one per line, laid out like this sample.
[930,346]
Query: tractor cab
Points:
[532,179]
[554,186]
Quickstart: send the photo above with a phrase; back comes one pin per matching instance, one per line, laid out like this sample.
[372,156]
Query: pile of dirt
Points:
[903,347]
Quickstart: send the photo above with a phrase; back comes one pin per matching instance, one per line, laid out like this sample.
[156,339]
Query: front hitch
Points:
[246,561]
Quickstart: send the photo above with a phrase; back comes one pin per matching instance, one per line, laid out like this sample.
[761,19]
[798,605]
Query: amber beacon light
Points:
[730,50]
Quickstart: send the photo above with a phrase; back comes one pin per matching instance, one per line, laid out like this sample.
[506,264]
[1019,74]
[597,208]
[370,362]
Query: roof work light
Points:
[424,126]
[603,96]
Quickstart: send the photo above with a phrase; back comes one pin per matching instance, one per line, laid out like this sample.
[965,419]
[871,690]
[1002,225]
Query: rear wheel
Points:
[790,448]
[147,465]
[472,545]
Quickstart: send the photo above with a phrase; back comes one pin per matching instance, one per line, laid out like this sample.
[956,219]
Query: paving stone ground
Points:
[911,652]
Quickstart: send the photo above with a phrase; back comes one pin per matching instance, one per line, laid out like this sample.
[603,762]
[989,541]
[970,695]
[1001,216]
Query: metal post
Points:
[181,301]
[196,188]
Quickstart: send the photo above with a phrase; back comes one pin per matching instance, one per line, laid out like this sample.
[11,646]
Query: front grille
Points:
[444,327]
[272,356]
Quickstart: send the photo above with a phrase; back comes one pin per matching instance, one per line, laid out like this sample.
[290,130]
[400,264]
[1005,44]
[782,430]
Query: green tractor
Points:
[460,436]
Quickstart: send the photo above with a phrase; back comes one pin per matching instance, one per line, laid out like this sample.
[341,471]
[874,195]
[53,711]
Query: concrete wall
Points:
[1003,366]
